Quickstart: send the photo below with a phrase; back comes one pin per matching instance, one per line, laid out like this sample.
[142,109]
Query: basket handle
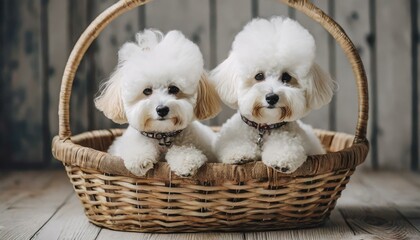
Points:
[305,6]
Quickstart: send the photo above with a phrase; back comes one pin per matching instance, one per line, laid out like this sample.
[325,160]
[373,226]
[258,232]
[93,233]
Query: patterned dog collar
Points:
[164,138]
[262,126]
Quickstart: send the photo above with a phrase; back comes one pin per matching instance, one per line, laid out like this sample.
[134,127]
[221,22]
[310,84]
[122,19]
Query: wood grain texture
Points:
[379,223]
[106,234]
[69,222]
[394,88]
[371,214]
[335,228]
[401,192]
[19,186]
[21,83]
[228,25]
[23,218]
[318,118]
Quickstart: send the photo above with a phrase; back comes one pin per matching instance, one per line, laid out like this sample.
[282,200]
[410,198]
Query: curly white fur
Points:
[147,73]
[271,57]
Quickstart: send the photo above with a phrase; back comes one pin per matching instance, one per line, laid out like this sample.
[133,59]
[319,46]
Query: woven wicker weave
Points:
[220,197]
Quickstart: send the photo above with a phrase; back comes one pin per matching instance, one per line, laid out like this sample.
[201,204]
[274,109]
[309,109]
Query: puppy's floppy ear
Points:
[109,101]
[225,80]
[208,101]
[320,89]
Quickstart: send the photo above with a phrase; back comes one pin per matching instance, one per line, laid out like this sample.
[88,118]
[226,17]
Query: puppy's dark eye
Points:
[285,77]
[260,76]
[173,90]
[147,91]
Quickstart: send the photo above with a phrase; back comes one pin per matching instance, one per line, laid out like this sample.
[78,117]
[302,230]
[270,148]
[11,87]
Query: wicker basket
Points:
[220,197]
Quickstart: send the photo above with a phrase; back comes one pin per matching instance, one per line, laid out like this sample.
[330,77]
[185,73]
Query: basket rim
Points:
[69,152]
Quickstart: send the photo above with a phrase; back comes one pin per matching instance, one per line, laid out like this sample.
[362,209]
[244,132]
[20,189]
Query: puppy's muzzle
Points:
[272,98]
[162,111]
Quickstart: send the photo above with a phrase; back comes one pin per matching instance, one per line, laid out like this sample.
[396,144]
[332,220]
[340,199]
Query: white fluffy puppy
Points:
[271,78]
[160,88]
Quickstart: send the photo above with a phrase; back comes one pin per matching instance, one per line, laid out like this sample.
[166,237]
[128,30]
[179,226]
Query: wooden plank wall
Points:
[38,35]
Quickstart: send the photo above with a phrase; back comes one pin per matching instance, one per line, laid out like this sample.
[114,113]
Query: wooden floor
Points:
[375,205]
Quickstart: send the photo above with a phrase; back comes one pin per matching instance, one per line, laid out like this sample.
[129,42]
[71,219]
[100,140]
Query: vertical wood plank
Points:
[4,85]
[418,87]
[213,34]
[105,52]
[318,118]
[269,8]
[59,50]
[180,18]
[22,83]
[373,86]
[91,69]
[332,68]
[78,104]
[228,26]
[44,72]
[414,89]
[394,83]
[352,16]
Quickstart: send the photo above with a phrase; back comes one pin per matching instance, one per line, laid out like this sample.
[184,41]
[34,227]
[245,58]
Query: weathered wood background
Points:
[37,36]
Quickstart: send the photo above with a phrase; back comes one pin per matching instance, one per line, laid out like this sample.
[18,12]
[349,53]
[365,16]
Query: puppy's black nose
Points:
[272,98]
[162,110]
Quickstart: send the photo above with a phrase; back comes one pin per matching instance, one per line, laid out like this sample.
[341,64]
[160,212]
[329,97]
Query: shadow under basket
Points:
[220,197]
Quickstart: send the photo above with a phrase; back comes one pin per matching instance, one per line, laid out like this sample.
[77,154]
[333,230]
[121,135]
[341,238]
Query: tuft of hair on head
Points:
[208,101]
[321,87]
[149,38]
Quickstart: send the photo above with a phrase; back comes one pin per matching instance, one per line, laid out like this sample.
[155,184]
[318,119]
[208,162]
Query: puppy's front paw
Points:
[237,155]
[286,161]
[139,166]
[185,161]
